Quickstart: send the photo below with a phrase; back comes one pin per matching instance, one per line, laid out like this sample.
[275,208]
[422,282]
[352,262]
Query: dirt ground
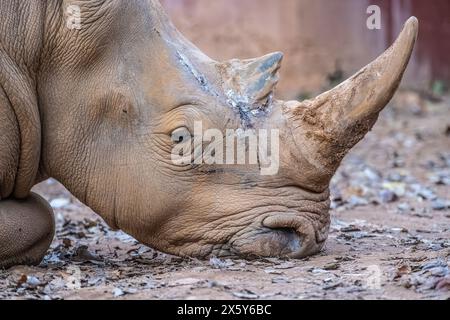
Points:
[390,235]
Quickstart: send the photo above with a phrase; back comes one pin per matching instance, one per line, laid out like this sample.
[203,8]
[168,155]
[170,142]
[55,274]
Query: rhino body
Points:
[97,108]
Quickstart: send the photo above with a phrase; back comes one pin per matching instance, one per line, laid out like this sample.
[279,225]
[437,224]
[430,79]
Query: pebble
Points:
[443,284]
[117,292]
[372,174]
[356,201]
[332,266]
[399,230]
[440,205]
[398,188]
[441,178]
[423,192]
[246,294]
[59,203]
[434,264]
[404,207]
[280,280]
[395,177]
[285,265]
[220,264]
[317,271]
[350,228]
[273,271]
[33,282]
[387,196]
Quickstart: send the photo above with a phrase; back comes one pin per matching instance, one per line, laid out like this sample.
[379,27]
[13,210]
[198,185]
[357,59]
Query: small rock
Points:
[439,205]
[434,264]
[285,265]
[273,271]
[332,286]
[280,280]
[398,188]
[404,207]
[220,264]
[332,266]
[213,284]
[82,254]
[423,192]
[187,282]
[117,292]
[130,291]
[399,230]
[439,272]
[387,196]
[440,179]
[372,174]
[423,213]
[443,284]
[67,242]
[246,294]
[59,203]
[125,238]
[398,163]
[33,282]
[317,271]
[23,279]
[402,270]
[350,228]
[356,201]
[345,259]
[395,177]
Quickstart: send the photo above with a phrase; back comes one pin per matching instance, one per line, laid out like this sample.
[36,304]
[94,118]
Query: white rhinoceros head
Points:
[119,95]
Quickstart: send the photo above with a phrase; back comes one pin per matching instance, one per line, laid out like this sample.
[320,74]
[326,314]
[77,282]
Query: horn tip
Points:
[278,55]
[273,59]
[413,25]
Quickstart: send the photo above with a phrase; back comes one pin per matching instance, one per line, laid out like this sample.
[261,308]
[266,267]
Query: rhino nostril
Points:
[287,238]
[292,234]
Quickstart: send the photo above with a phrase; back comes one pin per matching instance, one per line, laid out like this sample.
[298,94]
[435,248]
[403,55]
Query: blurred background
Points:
[324,41]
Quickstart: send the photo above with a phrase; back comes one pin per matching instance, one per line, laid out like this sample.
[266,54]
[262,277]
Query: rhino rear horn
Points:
[338,119]
[253,81]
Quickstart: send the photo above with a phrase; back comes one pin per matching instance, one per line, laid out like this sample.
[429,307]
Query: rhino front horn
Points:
[328,126]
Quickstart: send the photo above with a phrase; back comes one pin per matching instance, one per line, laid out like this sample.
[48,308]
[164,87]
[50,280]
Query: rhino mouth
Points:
[283,235]
[284,241]
[293,236]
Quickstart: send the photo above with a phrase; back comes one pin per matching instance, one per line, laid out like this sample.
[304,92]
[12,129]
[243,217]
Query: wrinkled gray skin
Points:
[95,109]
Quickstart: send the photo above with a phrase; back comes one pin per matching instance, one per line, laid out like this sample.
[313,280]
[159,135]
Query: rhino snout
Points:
[283,236]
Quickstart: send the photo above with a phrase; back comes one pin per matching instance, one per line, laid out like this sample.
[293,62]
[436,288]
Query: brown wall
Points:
[432,59]
[317,36]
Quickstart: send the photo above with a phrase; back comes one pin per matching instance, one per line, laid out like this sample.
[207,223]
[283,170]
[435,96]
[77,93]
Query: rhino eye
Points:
[181,135]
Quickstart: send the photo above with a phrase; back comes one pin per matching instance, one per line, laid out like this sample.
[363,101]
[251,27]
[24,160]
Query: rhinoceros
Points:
[96,108]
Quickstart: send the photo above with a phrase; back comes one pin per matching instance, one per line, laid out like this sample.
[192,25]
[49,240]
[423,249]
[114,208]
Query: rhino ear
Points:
[253,81]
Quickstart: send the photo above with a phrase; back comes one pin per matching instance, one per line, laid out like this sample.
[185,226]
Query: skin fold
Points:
[95,108]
